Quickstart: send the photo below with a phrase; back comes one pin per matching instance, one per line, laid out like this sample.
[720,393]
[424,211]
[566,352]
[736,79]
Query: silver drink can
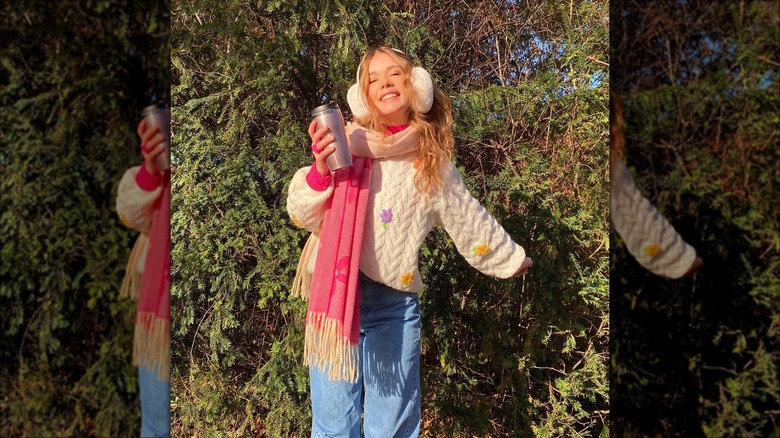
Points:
[158,116]
[330,116]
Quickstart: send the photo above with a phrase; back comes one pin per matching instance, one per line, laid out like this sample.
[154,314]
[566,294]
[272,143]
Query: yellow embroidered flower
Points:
[652,250]
[297,222]
[407,279]
[480,250]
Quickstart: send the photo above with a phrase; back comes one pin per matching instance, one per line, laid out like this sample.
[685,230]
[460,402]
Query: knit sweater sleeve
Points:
[649,237]
[477,235]
[136,198]
[308,196]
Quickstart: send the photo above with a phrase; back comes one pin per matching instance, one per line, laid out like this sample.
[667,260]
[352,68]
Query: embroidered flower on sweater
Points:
[480,250]
[652,250]
[386,217]
[407,279]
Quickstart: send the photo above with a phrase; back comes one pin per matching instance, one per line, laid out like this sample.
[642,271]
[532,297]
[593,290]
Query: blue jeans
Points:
[155,404]
[387,392]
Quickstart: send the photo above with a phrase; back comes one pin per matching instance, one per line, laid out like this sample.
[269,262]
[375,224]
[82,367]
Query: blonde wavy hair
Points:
[435,126]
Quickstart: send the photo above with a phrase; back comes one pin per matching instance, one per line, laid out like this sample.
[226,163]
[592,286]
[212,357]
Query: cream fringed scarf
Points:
[135,268]
[333,316]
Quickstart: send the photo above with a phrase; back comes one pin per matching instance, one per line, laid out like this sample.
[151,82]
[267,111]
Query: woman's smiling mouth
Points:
[388,96]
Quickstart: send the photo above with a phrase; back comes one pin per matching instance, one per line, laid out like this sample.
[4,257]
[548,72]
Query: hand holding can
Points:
[158,117]
[152,145]
[321,146]
[327,129]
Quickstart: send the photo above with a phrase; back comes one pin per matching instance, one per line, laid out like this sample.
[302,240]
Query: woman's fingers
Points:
[153,151]
[321,137]
[312,128]
[698,262]
[152,145]
[325,153]
[148,134]
[527,264]
[325,141]
[141,128]
[154,141]
[320,159]
[150,156]
[321,141]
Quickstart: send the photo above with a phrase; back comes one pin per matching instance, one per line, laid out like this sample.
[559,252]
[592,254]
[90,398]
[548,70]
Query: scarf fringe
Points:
[325,345]
[151,346]
[131,284]
[302,284]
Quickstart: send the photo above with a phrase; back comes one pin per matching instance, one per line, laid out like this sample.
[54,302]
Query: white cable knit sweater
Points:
[649,237]
[135,205]
[398,218]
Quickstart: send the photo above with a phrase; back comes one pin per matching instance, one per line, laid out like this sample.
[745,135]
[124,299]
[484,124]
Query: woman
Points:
[363,321]
[143,203]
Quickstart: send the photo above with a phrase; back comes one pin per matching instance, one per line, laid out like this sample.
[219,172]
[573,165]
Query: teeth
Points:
[388,96]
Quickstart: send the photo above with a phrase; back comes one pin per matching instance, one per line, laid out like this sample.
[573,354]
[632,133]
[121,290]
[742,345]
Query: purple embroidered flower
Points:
[386,217]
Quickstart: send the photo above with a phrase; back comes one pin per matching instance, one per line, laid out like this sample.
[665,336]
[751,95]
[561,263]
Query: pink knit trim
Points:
[147,181]
[316,180]
[396,129]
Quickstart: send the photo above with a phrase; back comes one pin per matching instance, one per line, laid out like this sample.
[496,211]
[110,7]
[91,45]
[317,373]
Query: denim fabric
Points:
[155,404]
[388,389]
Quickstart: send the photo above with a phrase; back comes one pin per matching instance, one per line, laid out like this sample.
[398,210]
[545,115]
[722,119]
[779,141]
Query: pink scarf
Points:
[333,316]
[151,347]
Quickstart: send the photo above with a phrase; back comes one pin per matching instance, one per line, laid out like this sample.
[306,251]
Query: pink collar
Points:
[396,129]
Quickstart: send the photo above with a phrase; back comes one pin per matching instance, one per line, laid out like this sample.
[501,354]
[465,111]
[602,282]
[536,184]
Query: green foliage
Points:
[700,356]
[500,357]
[72,83]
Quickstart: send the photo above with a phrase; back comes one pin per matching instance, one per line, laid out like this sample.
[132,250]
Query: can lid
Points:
[321,108]
[151,109]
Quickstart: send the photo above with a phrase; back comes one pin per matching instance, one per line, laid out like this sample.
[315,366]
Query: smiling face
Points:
[388,92]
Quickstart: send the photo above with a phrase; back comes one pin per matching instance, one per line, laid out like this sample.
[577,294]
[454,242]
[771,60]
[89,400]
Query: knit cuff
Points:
[316,180]
[147,181]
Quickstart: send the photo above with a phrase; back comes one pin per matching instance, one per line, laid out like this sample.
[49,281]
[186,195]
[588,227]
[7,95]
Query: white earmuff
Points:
[420,81]
[356,102]
[423,84]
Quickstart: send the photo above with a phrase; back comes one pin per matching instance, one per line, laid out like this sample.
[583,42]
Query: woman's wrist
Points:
[698,262]
[316,180]
[322,168]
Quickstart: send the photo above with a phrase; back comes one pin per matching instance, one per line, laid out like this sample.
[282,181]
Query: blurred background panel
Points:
[74,77]
[701,103]
[529,86]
